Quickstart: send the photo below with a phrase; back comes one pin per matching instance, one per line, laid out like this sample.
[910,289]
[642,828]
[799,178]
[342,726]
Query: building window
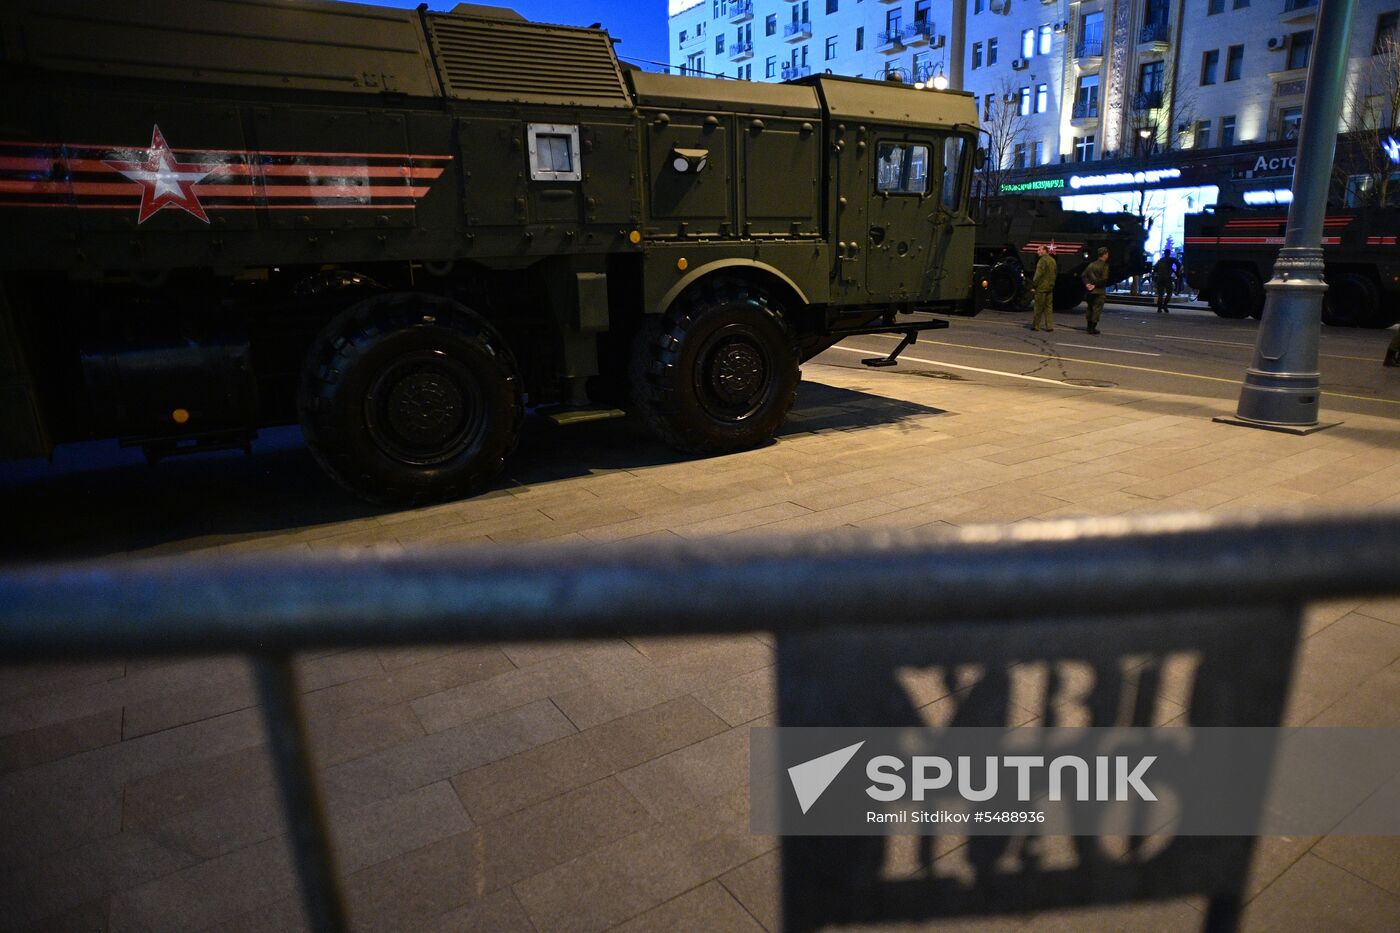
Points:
[1234,62]
[1025,101]
[1227,131]
[1086,97]
[921,11]
[987,101]
[1037,153]
[1386,25]
[1018,156]
[976,55]
[804,56]
[1241,4]
[1210,63]
[860,38]
[1299,48]
[1083,148]
[832,5]
[893,19]
[1289,119]
[770,67]
[1045,34]
[1215,6]
[1027,43]
[830,48]
[719,44]
[694,64]
[991,51]
[770,24]
[1090,35]
[1042,98]
[977,6]
[1202,140]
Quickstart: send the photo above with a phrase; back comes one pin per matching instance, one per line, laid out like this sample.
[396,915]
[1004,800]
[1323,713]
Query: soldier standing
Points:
[1164,273]
[1095,279]
[1044,287]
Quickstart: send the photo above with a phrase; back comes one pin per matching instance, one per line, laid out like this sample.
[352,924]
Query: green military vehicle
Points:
[1011,228]
[402,229]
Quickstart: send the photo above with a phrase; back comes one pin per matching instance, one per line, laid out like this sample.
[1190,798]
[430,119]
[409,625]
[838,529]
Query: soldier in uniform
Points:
[1095,279]
[1043,284]
[1164,274]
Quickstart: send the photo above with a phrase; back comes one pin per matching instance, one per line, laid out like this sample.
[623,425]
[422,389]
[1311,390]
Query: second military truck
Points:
[401,228]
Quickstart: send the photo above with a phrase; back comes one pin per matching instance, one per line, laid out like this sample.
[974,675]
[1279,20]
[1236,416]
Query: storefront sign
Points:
[1275,165]
[1153,176]
[1042,184]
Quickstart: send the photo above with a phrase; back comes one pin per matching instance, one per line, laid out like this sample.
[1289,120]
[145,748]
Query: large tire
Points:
[409,398]
[1352,300]
[1236,293]
[718,373]
[1006,286]
[1069,292]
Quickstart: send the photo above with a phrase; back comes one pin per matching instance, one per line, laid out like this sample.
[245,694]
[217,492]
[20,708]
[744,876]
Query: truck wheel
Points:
[408,398]
[718,372]
[1352,300]
[1005,282]
[1235,293]
[1069,292]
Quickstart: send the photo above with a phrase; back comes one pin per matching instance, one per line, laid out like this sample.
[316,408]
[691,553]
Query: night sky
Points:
[640,24]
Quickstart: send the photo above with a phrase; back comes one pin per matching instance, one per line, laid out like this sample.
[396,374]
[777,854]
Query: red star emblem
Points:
[164,181]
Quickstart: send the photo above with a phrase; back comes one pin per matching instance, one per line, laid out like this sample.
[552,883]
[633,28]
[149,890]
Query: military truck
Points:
[1230,253]
[1010,229]
[402,229]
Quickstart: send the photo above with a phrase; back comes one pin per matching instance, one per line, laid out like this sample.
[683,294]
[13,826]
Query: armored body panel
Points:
[218,197]
[1230,254]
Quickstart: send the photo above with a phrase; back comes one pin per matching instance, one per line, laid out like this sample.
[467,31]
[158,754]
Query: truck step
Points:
[566,416]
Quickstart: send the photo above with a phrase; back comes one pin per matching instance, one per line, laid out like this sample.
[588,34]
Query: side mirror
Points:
[979,158]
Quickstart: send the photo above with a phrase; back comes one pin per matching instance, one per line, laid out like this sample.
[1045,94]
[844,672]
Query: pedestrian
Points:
[1095,279]
[1164,273]
[1043,285]
[1392,352]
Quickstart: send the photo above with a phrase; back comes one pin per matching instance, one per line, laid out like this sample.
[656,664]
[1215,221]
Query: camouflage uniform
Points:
[1096,275]
[1044,287]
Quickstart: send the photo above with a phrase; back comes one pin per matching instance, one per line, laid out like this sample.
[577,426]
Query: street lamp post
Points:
[1282,387]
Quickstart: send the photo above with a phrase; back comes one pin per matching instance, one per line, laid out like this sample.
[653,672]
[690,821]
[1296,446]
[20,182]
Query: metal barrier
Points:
[848,612]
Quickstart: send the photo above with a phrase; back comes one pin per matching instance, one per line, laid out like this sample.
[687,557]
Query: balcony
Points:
[797,32]
[918,32]
[1298,11]
[1090,47]
[890,41]
[740,51]
[739,10]
[1157,35]
[689,39]
[1085,110]
[796,71]
[1147,100]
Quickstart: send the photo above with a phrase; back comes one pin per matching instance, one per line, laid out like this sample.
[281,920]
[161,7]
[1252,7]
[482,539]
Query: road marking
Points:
[1075,359]
[971,369]
[1083,346]
[1228,343]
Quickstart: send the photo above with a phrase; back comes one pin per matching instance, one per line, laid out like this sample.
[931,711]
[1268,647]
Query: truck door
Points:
[954,232]
[898,241]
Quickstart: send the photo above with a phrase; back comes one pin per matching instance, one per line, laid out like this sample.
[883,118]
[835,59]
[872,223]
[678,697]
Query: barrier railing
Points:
[847,611]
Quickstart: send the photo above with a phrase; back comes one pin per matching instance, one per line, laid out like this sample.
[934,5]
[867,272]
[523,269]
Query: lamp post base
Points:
[1272,426]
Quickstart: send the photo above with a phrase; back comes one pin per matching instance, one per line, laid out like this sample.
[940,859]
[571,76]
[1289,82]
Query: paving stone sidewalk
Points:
[593,786]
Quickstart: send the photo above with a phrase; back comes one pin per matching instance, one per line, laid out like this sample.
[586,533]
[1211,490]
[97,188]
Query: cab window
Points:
[954,151]
[901,168]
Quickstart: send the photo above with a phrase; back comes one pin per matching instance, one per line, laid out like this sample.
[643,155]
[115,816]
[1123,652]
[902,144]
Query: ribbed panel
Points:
[485,60]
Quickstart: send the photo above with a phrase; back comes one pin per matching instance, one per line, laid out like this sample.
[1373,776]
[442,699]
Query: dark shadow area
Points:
[96,498]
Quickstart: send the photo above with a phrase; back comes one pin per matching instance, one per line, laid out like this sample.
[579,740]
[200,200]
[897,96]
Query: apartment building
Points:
[1191,95]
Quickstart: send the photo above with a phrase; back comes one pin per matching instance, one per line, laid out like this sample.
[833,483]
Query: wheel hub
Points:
[737,373]
[424,407]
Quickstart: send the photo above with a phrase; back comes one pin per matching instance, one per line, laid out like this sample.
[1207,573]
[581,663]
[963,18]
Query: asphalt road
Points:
[1185,352]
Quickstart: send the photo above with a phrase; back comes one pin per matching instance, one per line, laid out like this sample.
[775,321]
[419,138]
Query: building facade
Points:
[1187,90]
